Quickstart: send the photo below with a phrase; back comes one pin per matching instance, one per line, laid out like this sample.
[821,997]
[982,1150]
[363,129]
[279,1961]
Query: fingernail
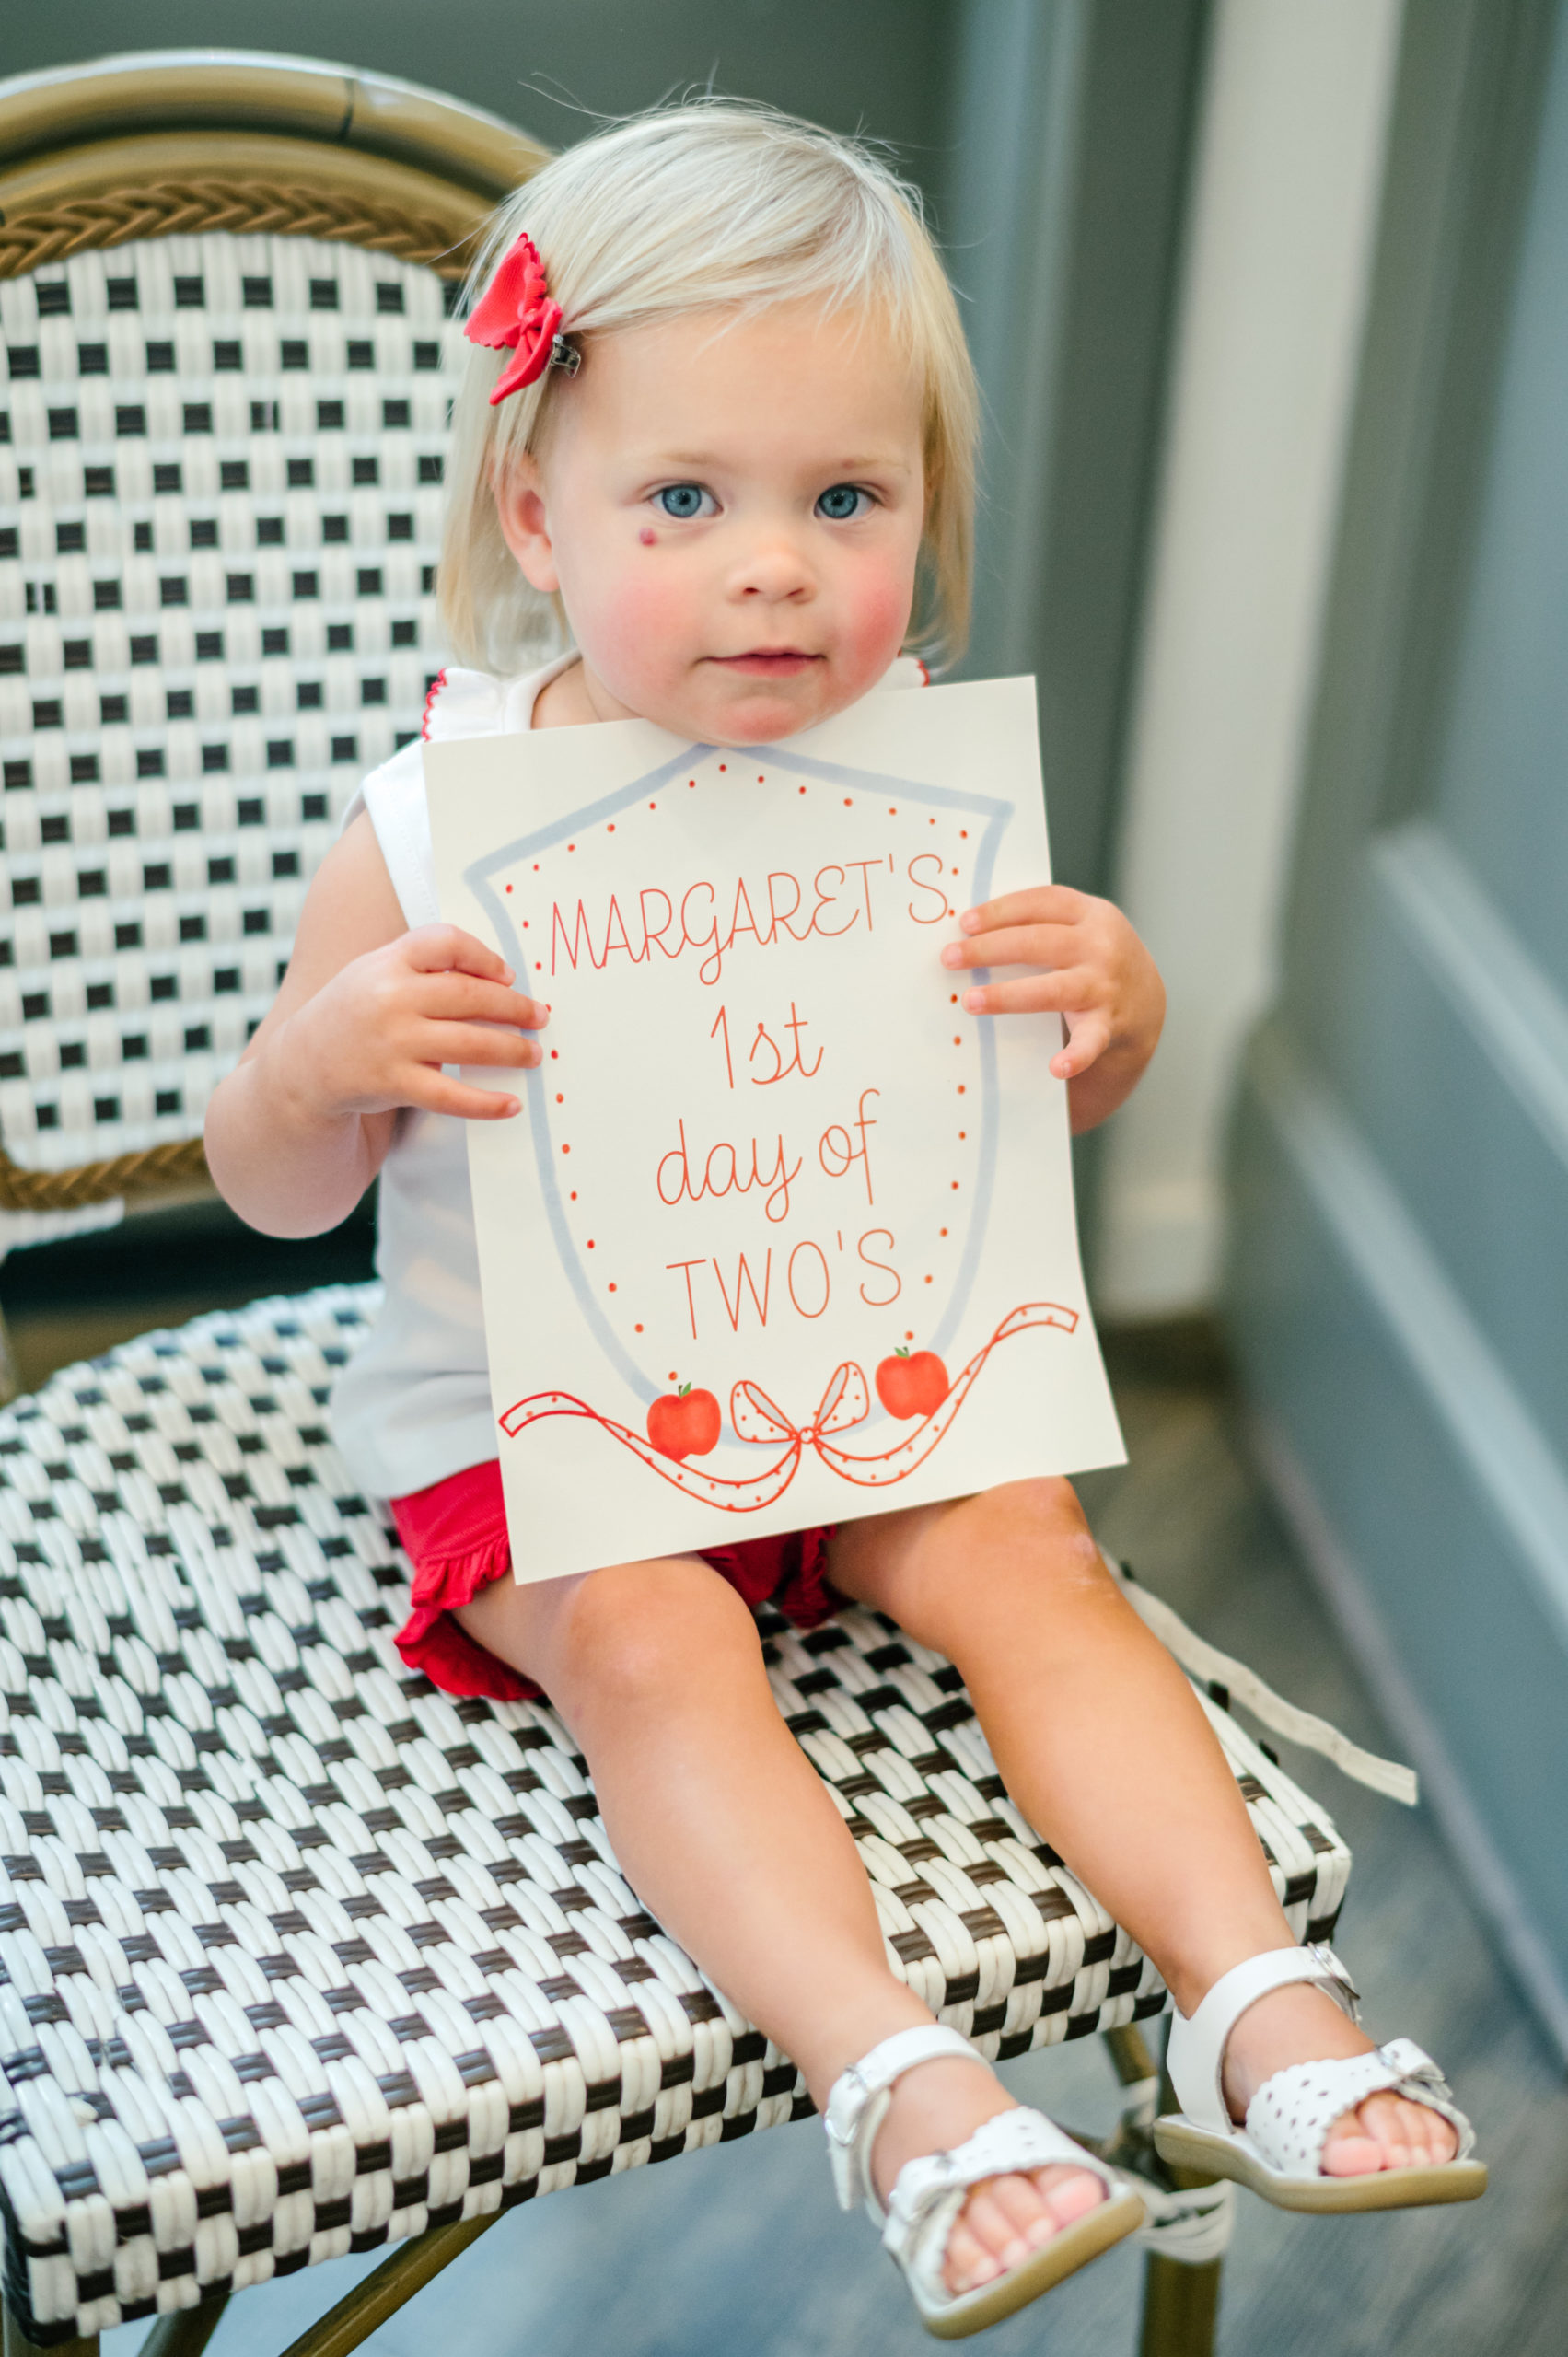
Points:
[970,920]
[1042,2231]
[1016,2251]
[952,955]
[975,1002]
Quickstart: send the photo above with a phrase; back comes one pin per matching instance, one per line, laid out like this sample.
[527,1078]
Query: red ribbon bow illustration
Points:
[515,311]
[845,1403]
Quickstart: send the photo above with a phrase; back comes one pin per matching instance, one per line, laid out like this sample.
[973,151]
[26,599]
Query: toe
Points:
[1348,2151]
[994,2231]
[1411,2134]
[1008,2217]
[1387,2133]
[967,2263]
[1005,2210]
[1071,2193]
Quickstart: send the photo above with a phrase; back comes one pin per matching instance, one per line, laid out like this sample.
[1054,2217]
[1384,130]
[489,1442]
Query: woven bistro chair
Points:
[297,1956]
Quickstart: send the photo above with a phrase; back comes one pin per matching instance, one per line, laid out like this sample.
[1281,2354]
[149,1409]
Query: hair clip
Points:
[564,356]
[515,312]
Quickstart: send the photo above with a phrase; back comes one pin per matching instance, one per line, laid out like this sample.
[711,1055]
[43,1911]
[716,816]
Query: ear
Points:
[525,523]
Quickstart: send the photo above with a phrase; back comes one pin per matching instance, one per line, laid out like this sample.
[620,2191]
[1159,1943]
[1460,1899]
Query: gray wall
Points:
[877,65]
[1400,1282]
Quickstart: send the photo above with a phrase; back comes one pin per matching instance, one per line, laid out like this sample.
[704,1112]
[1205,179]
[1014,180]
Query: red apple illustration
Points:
[686,1423]
[911,1387]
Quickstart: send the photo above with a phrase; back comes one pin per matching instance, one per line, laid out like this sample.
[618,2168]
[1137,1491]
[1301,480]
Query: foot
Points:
[1304,2024]
[939,2105]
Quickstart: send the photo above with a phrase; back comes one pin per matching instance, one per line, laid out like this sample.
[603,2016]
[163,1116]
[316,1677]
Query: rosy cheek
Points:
[878,617]
[636,628]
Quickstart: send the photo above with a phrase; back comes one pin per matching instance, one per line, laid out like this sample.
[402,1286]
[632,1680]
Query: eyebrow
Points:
[699,460]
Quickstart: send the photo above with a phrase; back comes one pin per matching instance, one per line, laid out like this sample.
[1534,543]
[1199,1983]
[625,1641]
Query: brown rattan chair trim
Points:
[238,90]
[182,1163]
[182,183]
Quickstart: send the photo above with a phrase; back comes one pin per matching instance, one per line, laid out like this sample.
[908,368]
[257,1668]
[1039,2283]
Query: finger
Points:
[475,1043]
[435,949]
[434,1092]
[1035,993]
[456,996]
[1044,904]
[1030,944]
[1089,1037]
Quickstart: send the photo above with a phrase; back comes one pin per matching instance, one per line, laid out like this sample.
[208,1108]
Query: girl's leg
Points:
[727,1833]
[1102,1744]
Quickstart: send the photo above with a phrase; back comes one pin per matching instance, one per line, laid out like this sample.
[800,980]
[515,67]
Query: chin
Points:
[763,718]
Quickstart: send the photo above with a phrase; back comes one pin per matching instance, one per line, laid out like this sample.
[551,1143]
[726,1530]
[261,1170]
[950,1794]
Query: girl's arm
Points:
[366,1015]
[1098,977]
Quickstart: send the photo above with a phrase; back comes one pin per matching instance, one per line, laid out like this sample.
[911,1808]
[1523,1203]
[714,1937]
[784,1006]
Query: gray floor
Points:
[742,2246]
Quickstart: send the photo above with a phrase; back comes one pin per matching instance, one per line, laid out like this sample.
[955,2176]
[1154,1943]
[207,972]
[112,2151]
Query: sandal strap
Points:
[1195,2056]
[929,2193]
[857,2104]
[1289,2118]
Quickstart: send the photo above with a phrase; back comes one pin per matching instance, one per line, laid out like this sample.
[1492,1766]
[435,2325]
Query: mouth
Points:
[768,662]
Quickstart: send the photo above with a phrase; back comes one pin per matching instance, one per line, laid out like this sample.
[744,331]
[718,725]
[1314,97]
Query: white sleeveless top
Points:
[412,1405]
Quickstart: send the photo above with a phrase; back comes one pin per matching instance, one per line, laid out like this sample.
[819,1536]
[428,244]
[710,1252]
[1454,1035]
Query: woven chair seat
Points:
[300,1956]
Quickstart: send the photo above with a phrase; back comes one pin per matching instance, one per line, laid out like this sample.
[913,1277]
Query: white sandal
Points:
[929,2193]
[1279,2152]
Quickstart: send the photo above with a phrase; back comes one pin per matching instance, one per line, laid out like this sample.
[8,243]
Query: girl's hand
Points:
[376,1036]
[1096,974]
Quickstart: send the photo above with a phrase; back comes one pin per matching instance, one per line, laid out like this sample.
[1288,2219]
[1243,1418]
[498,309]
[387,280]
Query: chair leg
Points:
[1180,2307]
[10,1380]
[17,2343]
[1181,2299]
[361,2311]
[185,2333]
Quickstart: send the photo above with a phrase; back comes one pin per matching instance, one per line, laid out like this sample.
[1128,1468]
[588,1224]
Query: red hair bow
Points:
[515,311]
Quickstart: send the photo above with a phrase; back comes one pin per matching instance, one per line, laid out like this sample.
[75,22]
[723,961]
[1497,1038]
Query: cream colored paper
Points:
[768,1150]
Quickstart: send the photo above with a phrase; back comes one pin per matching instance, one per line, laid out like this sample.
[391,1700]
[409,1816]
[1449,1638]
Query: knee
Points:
[977,1567]
[1032,1538]
[1043,1511]
[643,1633]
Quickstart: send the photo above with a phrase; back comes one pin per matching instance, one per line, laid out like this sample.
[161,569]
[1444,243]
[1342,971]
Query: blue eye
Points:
[841,504]
[684,500]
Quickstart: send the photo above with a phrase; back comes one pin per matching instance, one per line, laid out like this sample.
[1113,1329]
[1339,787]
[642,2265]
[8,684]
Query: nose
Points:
[772,570]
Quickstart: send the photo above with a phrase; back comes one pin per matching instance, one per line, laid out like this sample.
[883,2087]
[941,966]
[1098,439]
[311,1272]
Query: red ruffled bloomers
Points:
[455,1535]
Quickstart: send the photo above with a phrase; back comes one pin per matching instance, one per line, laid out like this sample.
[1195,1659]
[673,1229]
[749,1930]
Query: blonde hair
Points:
[706,206]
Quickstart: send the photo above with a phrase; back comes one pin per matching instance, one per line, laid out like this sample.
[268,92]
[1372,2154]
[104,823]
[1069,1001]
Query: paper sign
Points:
[784,1236]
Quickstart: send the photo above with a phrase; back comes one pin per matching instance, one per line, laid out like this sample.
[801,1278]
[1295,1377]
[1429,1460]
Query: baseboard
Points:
[1504,1907]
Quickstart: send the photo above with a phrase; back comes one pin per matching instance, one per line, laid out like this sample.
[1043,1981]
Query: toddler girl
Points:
[717,427]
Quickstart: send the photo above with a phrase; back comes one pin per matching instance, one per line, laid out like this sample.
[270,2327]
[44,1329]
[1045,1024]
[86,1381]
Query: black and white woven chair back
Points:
[220,496]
